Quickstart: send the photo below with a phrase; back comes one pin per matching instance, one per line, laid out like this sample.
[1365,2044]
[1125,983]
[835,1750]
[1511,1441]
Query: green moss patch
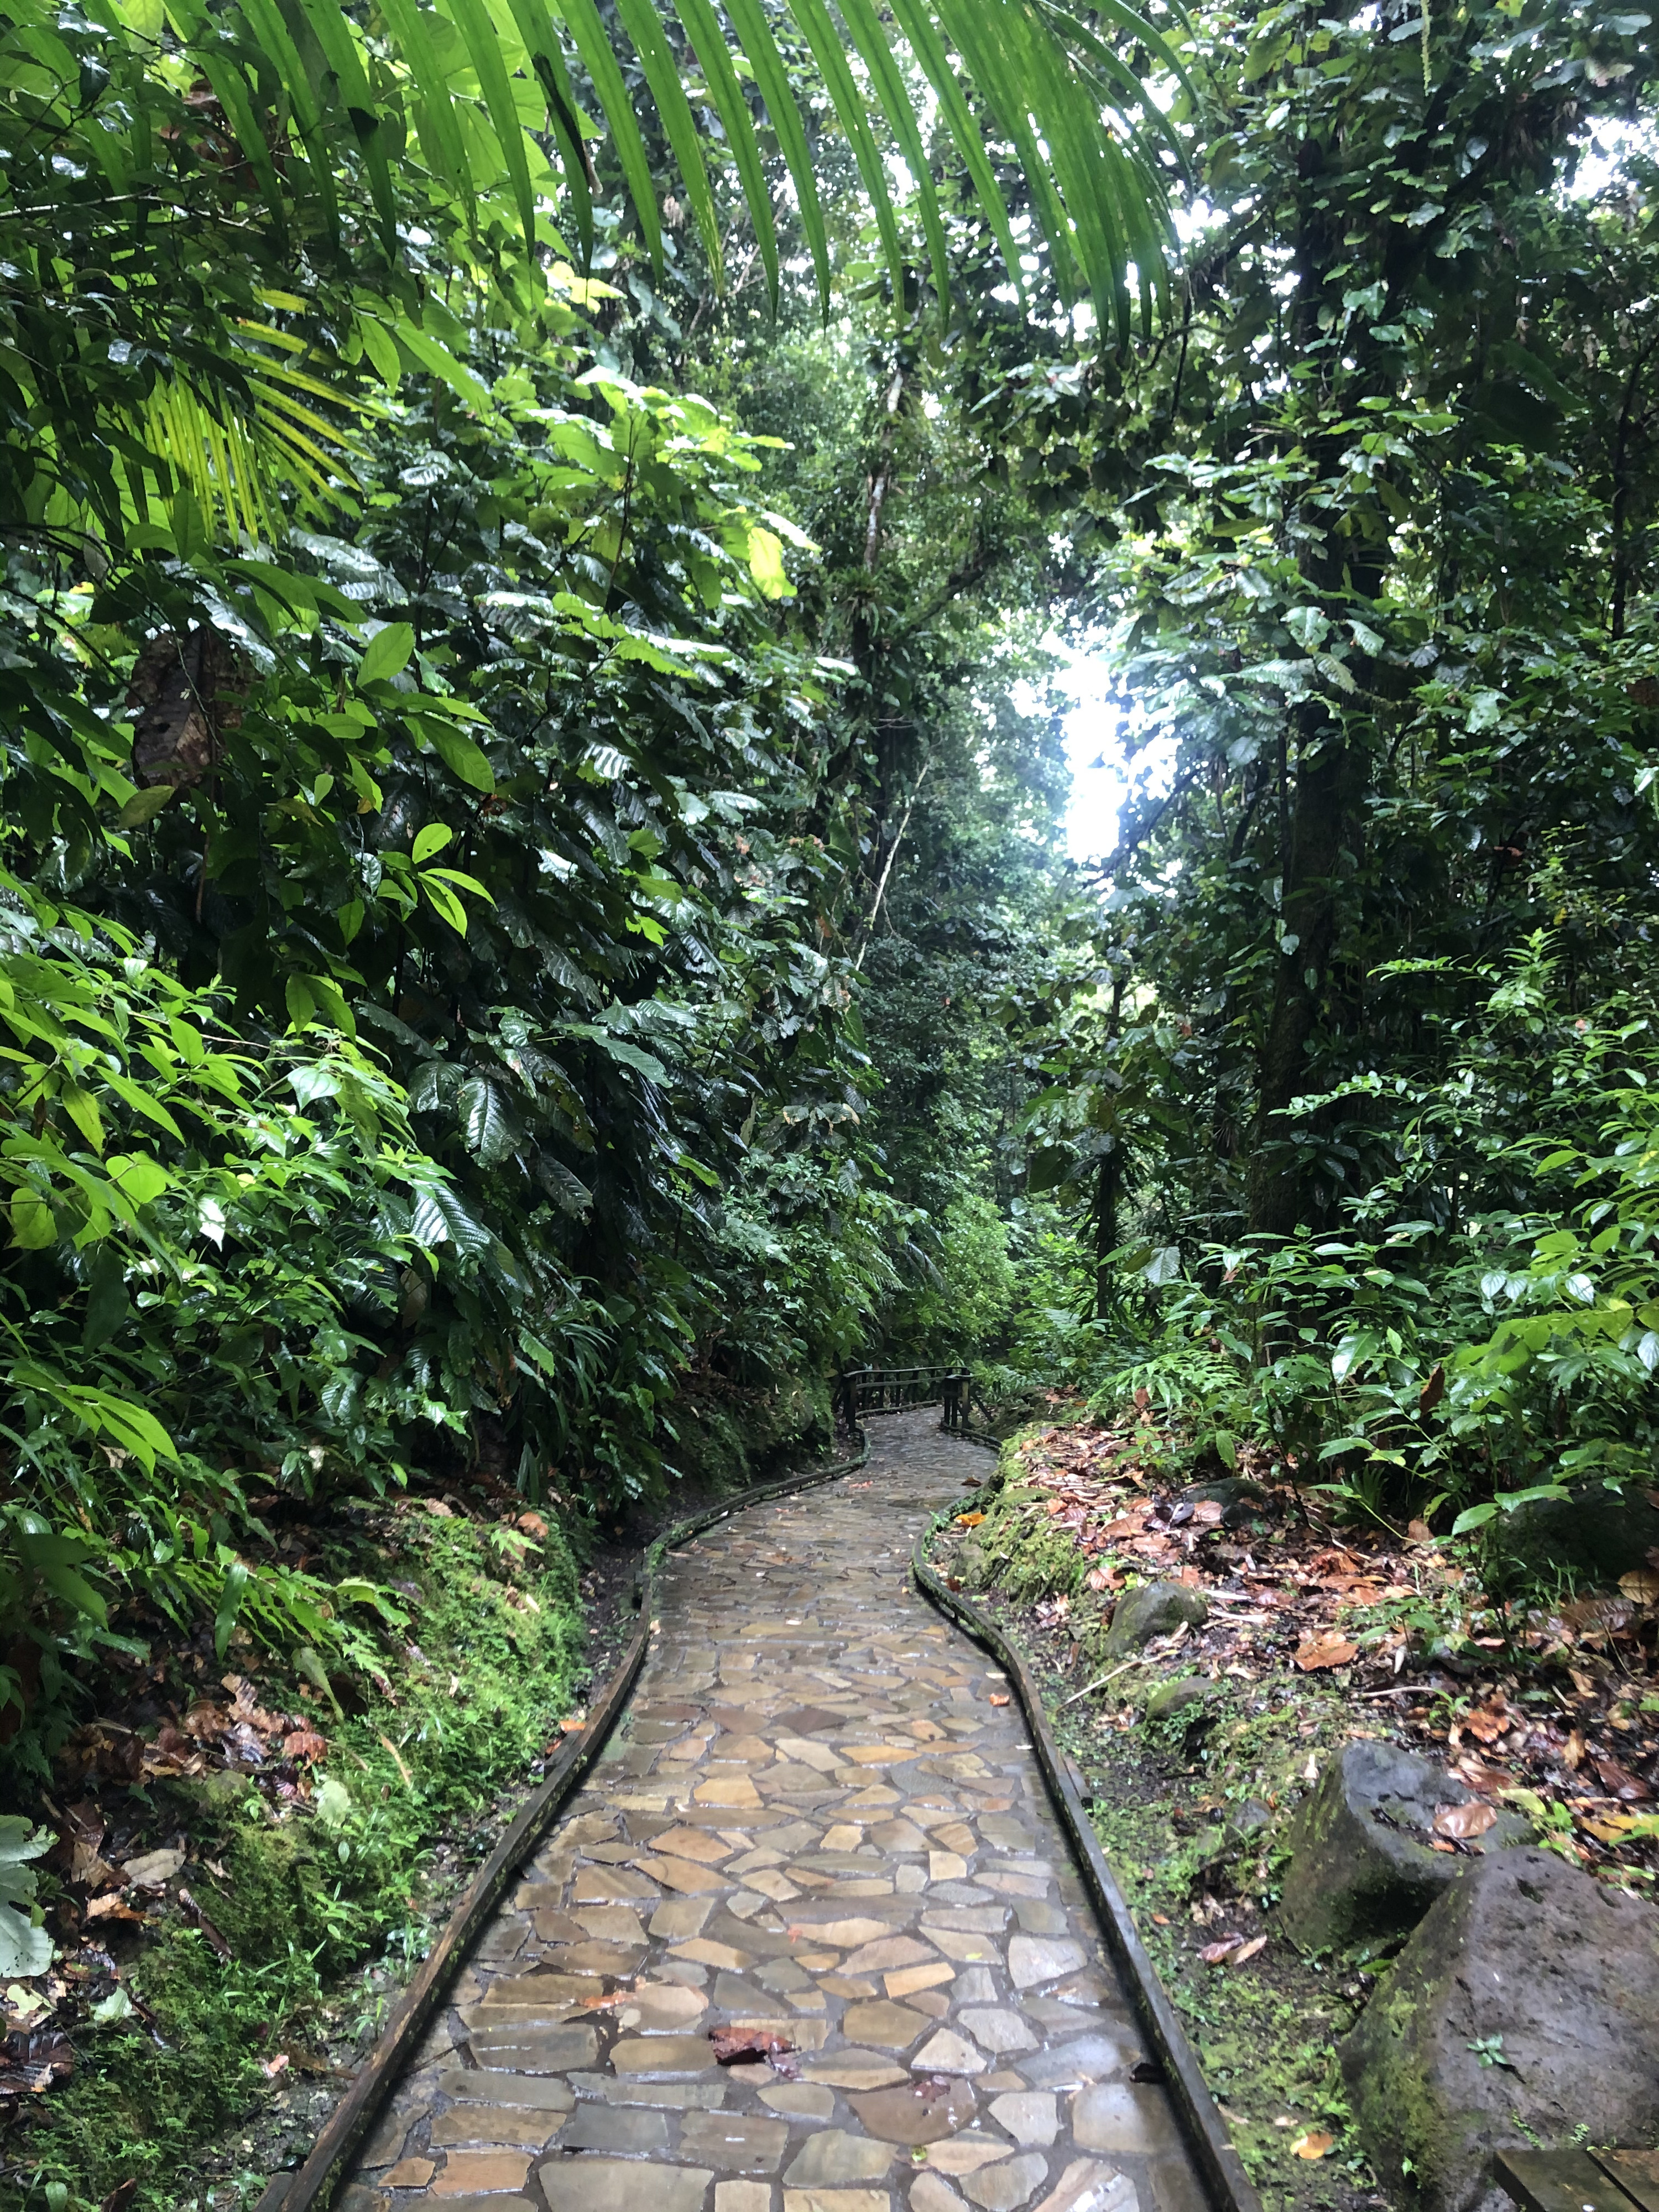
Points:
[310,1887]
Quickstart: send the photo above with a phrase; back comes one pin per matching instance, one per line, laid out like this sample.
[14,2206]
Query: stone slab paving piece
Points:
[1119,2115]
[735,2141]
[813,1826]
[1088,2186]
[836,2200]
[742,2196]
[1029,2115]
[1009,2184]
[834,2157]
[967,2152]
[916,2113]
[605,2185]
[615,2127]
[932,2192]
[494,2126]
[469,2172]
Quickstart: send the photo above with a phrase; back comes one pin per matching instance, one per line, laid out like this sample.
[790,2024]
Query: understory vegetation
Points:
[546,555]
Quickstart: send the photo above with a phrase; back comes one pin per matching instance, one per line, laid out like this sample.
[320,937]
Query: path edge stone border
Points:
[311,2187]
[1212,2147]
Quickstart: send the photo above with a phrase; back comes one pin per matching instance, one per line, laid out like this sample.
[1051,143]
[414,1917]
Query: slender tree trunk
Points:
[1326,790]
[1108,1185]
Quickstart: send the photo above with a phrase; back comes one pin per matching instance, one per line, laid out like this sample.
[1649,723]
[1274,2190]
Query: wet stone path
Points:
[821,1822]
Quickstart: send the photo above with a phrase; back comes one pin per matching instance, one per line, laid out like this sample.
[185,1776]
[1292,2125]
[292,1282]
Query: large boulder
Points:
[1361,1865]
[1152,1609]
[1523,2010]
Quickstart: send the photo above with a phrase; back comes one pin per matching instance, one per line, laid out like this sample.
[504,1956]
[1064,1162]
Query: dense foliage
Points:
[1356,1079]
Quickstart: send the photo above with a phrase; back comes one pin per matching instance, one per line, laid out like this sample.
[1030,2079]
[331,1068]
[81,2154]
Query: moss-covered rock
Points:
[1153,1609]
[1362,1866]
[1598,1534]
[1523,2009]
[1181,1700]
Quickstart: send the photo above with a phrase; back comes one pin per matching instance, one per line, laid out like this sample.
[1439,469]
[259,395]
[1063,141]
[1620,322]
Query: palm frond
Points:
[1028,73]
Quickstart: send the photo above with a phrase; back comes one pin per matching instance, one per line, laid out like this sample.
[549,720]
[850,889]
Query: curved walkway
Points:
[821,1823]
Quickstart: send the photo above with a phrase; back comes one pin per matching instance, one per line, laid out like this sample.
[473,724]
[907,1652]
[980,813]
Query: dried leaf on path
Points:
[998,1700]
[733,2046]
[1248,1951]
[1333,1649]
[1641,1585]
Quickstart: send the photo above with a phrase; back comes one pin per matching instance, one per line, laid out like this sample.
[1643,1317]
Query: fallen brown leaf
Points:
[1333,1649]
[1624,1785]
[1641,1585]
[732,2046]
[1572,1751]
[305,1743]
[31,2063]
[1488,1723]
[1213,1953]
[998,1700]
[1247,1950]
[1317,2143]
[1461,1822]
[111,1907]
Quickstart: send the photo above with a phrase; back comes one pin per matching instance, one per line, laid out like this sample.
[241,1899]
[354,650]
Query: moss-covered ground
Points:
[309,1883]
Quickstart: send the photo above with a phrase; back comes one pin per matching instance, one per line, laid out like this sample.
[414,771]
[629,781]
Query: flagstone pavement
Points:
[821,1823]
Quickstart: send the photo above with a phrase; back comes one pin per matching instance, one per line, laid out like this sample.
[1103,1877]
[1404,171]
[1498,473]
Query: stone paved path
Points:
[821,1821]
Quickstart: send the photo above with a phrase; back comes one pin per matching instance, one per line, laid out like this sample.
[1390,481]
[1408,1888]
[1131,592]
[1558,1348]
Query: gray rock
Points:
[1238,1498]
[1361,1866]
[1598,1531]
[1153,1609]
[1182,1700]
[1527,1961]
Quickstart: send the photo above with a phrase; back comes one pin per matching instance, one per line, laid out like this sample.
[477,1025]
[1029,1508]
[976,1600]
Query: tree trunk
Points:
[1327,785]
